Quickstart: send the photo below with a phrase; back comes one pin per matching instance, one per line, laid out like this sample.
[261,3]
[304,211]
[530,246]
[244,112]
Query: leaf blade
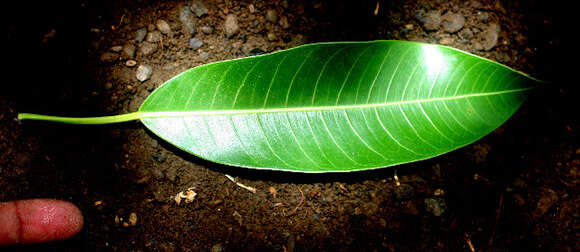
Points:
[336,106]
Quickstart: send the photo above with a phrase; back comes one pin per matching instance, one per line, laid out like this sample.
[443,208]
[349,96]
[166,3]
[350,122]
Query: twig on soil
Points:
[496,220]
[469,243]
[249,188]
[299,203]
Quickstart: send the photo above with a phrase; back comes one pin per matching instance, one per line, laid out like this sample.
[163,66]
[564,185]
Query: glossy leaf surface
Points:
[335,106]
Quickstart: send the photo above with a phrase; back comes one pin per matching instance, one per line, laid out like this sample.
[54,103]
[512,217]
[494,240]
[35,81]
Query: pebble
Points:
[272,15]
[130,63]
[195,43]
[132,219]
[452,22]
[109,57]
[231,25]
[436,206]
[108,85]
[272,37]
[490,36]
[154,36]
[206,29]
[204,56]
[545,203]
[198,7]
[251,8]
[144,72]
[140,34]
[116,48]
[147,49]
[128,51]
[284,22]
[431,20]
[186,19]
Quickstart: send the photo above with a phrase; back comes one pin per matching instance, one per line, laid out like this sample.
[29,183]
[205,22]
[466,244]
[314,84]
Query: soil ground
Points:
[514,190]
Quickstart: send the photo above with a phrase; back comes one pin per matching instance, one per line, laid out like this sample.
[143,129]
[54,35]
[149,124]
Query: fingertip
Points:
[40,220]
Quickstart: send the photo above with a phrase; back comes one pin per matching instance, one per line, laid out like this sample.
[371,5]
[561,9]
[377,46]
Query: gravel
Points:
[154,36]
[140,34]
[147,48]
[490,36]
[144,72]
[199,8]
[163,26]
[186,19]
[128,51]
[206,29]
[272,15]
[452,22]
[231,26]
[195,43]
[431,20]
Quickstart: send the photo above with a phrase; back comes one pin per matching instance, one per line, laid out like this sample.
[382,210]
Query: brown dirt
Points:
[516,189]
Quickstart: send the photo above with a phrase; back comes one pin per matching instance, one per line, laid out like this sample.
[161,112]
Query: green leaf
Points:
[332,107]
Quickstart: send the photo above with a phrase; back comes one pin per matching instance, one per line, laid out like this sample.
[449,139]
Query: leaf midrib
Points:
[144,115]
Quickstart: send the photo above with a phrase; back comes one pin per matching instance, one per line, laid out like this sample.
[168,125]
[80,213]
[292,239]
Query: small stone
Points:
[251,8]
[154,36]
[128,51]
[204,56]
[284,22]
[195,43]
[490,36]
[132,219]
[272,37]
[186,19]
[198,7]
[452,22]
[116,49]
[108,85]
[144,72]
[109,57]
[130,63]
[431,20]
[231,25]
[436,206]
[206,29]
[272,15]
[163,26]
[140,34]
[545,203]
[147,49]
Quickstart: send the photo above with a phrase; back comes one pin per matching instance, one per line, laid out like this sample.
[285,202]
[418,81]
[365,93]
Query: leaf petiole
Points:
[82,120]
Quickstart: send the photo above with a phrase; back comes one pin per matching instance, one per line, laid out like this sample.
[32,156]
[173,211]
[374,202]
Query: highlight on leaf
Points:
[331,107]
